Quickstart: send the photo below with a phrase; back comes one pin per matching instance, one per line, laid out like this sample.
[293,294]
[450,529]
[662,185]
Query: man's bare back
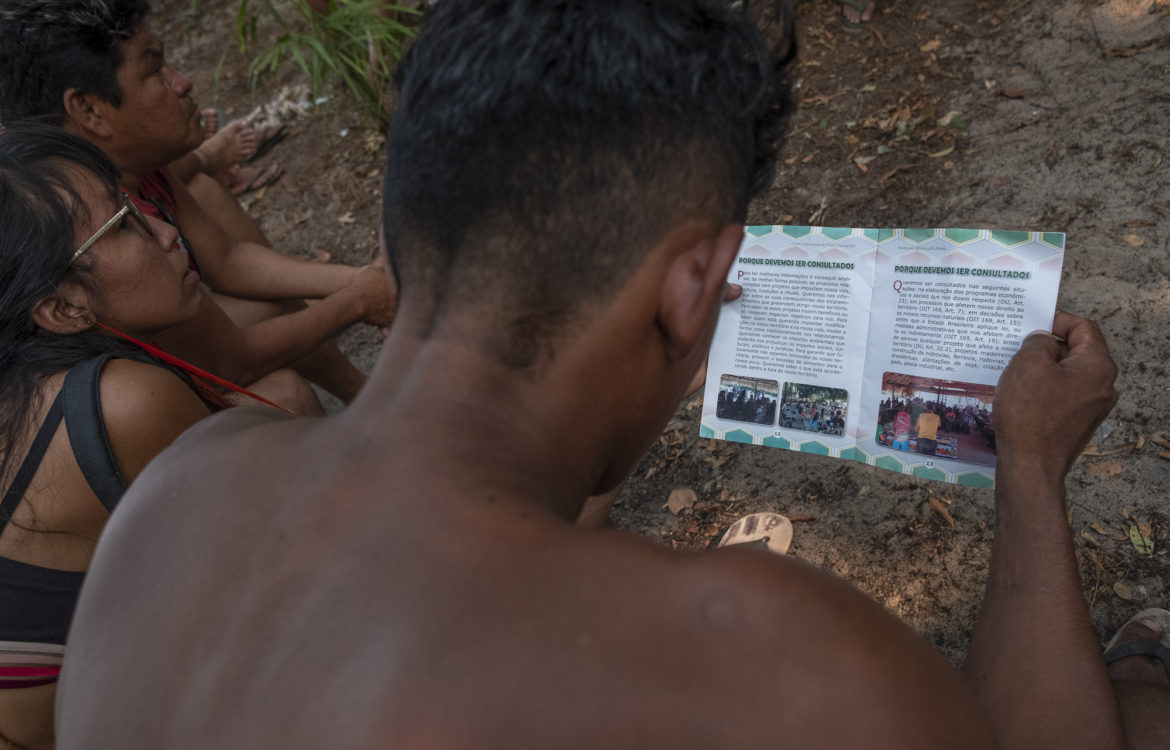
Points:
[397,609]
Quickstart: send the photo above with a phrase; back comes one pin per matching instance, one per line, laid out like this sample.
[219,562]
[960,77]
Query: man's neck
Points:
[131,176]
[478,426]
[130,181]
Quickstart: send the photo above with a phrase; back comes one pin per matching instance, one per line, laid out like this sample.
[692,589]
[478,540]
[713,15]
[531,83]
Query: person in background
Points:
[927,426]
[901,431]
[81,411]
[96,68]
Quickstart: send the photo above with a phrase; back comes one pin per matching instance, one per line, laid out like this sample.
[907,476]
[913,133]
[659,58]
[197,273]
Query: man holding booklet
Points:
[566,190]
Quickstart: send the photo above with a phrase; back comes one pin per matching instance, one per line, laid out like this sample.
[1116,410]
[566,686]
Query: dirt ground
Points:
[1026,114]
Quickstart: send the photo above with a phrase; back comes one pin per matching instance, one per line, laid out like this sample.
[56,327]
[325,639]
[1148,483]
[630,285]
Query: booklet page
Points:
[844,339]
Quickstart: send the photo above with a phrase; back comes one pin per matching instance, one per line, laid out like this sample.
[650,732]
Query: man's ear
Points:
[84,113]
[64,310]
[694,287]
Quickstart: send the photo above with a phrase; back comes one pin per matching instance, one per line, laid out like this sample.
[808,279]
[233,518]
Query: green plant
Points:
[216,77]
[355,44]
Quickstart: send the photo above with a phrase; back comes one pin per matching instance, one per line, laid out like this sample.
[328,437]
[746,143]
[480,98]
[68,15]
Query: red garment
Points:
[156,187]
[902,427]
[156,199]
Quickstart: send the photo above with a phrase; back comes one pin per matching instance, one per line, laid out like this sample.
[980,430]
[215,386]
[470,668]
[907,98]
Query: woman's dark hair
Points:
[39,207]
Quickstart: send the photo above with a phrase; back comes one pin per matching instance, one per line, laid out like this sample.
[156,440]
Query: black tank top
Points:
[36,603]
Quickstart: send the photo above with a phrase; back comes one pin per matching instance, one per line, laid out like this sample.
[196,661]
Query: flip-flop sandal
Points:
[266,139]
[767,531]
[1159,650]
[249,180]
[860,6]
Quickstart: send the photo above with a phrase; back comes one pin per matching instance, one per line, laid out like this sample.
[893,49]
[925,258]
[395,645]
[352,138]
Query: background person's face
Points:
[137,283]
[158,121]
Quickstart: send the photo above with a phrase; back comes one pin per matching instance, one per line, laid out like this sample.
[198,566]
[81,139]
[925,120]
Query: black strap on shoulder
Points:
[87,431]
[32,462]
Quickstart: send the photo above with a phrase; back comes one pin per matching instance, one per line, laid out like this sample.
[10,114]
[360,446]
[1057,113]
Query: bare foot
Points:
[266,138]
[858,12]
[240,180]
[1139,667]
[235,143]
[1141,681]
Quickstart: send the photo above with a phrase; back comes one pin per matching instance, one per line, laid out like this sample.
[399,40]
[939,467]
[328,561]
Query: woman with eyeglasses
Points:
[81,410]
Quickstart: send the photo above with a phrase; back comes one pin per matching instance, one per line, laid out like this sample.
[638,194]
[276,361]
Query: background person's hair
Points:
[39,207]
[50,46]
[539,148]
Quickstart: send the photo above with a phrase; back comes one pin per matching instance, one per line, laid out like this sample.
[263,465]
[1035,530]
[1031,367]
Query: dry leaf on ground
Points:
[680,500]
[1157,44]
[1093,450]
[941,509]
[1104,469]
[1141,539]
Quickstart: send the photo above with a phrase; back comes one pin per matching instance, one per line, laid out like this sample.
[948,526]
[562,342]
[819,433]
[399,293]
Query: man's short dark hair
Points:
[539,148]
[50,46]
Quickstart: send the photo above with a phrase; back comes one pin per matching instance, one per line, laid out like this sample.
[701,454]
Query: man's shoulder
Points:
[227,424]
[536,622]
[768,591]
[213,451]
[731,632]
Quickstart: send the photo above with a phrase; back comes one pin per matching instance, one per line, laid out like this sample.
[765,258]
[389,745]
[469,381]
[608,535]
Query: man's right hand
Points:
[378,294]
[1053,395]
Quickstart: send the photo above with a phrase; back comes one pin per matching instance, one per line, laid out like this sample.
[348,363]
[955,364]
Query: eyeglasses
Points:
[128,207]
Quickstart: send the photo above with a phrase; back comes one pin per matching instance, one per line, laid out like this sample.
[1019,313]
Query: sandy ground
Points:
[1044,115]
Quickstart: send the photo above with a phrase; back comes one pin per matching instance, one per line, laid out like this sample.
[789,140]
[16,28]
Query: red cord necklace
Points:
[190,368]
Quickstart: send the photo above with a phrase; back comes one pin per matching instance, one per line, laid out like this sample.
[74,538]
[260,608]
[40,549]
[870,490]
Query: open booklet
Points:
[878,345]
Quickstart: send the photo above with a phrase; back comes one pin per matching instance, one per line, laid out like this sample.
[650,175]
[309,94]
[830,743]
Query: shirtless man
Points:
[97,68]
[566,188]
